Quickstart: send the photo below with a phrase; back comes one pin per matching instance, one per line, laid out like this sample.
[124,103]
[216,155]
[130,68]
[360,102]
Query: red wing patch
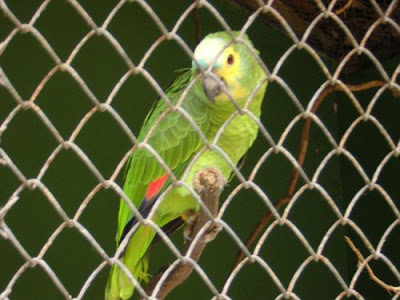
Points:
[155,187]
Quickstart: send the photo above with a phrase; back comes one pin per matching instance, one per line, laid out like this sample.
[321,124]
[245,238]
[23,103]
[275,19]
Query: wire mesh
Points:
[312,179]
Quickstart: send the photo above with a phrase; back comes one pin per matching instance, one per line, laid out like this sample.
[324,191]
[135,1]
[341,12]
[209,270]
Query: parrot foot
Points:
[190,219]
[211,232]
[186,234]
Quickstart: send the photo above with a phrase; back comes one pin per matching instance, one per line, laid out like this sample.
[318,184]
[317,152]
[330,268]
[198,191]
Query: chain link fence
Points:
[77,79]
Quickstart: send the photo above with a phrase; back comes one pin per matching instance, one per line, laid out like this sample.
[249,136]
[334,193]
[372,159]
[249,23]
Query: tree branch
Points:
[208,183]
[197,24]
[302,155]
[389,288]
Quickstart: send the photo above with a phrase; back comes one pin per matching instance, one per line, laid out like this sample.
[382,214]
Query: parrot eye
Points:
[230,59]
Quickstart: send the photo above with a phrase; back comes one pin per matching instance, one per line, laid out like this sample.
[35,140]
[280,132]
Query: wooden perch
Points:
[208,183]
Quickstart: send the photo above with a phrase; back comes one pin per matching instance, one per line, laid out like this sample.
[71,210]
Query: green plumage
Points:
[170,134]
[174,139]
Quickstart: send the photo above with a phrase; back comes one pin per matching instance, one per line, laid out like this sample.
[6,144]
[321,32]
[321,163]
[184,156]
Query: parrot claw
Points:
[212,232]
[191,217]
[186,233]
[208,236]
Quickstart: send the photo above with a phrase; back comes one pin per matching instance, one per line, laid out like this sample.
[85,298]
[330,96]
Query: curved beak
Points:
[212,86]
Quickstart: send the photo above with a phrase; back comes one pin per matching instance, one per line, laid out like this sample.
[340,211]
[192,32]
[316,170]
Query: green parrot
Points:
[226,76]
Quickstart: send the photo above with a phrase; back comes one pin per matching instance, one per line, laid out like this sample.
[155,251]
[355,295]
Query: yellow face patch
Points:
[226,64]
[231,72]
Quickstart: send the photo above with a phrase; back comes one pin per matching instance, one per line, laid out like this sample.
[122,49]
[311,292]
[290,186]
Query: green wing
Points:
[173,138]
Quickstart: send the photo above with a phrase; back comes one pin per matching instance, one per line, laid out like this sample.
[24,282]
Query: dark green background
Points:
[28,142]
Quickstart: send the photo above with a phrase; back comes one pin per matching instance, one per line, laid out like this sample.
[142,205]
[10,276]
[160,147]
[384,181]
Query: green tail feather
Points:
[119,286]
[136,259]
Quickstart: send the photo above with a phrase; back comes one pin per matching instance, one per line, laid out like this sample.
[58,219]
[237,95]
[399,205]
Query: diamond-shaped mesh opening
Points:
[35,143]
[25,63]
[100,70]
[66,173]
[67,109]
[77,80]
[60,19]
[36,277]
[64,262]
[32,234]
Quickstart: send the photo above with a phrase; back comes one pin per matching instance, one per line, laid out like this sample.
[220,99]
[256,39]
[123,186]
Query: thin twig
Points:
[208,184]
[344,8]
[302,155]
[389,288]
[197,25]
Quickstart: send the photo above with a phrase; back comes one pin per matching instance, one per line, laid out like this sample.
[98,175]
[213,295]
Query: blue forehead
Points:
[206,53]
[204,64]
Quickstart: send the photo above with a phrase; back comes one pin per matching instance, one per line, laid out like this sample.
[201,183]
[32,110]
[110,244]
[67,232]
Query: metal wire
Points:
[277,147]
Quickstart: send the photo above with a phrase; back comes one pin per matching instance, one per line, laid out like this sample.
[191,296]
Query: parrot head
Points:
[230,70]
